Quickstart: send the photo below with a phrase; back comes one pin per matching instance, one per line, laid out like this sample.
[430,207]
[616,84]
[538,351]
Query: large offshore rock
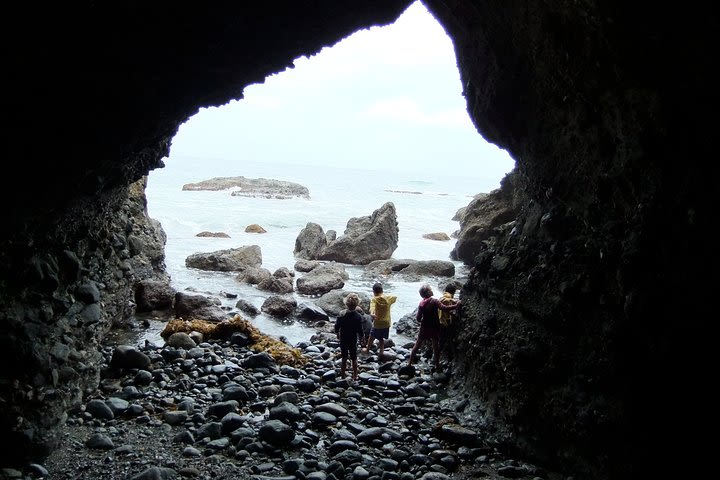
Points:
[374,237]
[252,187]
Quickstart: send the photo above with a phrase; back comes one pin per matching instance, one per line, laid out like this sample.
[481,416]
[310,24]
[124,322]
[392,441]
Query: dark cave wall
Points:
[60,302]
[95,93]
[583,313]
[579,318]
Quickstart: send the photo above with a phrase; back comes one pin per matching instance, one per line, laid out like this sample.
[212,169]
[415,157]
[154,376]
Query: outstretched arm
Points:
[448,306]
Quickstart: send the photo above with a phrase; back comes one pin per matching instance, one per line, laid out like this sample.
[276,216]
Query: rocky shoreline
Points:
[221,410]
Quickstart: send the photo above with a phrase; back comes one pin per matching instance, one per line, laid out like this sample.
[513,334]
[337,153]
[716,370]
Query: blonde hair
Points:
[352,301]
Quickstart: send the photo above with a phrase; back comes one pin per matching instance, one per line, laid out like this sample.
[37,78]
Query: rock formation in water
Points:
[587,332]
[252,187]
[365,239]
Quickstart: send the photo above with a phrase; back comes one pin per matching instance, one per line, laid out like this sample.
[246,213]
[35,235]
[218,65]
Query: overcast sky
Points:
[384,98]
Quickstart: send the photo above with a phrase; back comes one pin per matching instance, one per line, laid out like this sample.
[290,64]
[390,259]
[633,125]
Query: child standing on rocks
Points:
[367,322]
[448,319]
[348,328]
[380,312]
[429,319]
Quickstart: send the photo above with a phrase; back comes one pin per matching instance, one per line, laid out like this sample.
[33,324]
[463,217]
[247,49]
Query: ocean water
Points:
[425,201]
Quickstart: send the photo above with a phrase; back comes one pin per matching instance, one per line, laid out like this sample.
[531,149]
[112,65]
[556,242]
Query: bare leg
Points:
[343,364]
[355,368]
[412,352]
[382,347]
[436,352]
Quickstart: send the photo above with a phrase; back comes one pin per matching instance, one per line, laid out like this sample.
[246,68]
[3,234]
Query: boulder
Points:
[278,306]
[319,284]
[322,279]
[254,275]
[247,307]
[255,228]
[200,307]
[181,340]
[306,265]
[230,260]
[284,272]
[374,237]
[309,241]
[480,219]
[311,313]
[407,325]
[276,433]
[128,356]
[277,285]
[153,295]
[409,269]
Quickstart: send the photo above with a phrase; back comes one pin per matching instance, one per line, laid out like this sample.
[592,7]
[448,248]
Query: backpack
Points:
[446,316]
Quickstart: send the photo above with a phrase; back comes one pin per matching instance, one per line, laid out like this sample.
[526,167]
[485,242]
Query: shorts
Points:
[380,333]
[428,333]
[348,350]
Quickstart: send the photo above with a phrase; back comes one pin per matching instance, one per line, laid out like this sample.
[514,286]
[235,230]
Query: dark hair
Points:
[426,291]
[352,301]
[451,288]
[377,288]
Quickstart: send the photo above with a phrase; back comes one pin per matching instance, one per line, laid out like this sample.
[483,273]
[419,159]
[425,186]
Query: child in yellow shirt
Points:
[380,311]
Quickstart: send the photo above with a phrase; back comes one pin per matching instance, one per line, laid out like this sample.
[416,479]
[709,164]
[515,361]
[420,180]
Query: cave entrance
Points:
[379,117]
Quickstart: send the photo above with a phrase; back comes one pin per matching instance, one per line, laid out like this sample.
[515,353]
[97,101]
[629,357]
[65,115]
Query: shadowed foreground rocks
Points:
[221,410]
